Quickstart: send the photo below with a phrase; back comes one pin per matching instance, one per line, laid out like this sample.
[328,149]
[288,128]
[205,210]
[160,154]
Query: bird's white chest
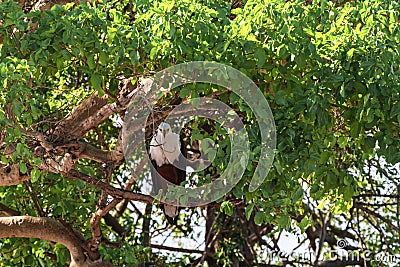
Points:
[157,154]
[166,152]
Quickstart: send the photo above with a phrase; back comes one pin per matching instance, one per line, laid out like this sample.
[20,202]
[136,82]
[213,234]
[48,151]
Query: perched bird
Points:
[167,150]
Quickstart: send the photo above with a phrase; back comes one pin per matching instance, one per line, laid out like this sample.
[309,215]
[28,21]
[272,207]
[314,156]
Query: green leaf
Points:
[304,224]
[280,98]
[355,129]
[297,195]
[227,208]
[17,108]
[260,56]
[153,53]
[35,174]
[342,141]
[103,58]
[4,159]
[90,62]
[184,92]
[197,136]
[312,49]
[324,202]
[283,221]
[130,258]
[28,260]
[259,218]
[62,255]
[395,110]
[22,167]
[348,180]
[348,193]
[20,148]
[96,80]
[325,156]
[249,210]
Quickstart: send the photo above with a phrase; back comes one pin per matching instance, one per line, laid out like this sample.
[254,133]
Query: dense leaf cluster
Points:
[330,73]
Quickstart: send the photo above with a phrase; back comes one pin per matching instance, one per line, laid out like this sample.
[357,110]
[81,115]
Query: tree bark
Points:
[44,228]
[10,175]
[50,230]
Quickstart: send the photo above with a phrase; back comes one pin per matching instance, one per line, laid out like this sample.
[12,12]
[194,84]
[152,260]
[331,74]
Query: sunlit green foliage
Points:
[330,74]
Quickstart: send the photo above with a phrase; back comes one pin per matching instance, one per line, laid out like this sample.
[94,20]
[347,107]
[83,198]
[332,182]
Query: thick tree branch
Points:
[90,113]
[50,230]
[98,155]
[43,228]
[95,110]
[10,175]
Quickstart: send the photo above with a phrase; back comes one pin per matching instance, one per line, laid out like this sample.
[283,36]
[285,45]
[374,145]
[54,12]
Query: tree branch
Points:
[184,250]
[95,110]
[377,215]
[8,211]
[9,175]
[91,112]
[112,191]
[43,228]
[98,155]
[322,237]
[114,224]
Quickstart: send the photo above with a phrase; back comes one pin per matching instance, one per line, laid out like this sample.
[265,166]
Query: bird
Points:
[167,151]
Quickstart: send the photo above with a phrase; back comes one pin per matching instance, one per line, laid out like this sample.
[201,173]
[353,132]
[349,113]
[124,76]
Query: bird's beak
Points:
[164,132]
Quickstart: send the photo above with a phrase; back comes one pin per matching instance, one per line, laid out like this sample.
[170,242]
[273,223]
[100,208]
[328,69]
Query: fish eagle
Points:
[167,151]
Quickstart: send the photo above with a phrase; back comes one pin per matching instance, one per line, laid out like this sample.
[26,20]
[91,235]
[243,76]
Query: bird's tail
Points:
[171,213]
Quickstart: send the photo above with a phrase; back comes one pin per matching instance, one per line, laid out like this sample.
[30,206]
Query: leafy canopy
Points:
[330,74]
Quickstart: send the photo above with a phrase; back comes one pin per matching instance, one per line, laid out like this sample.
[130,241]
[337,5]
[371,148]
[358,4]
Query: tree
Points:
[329,70]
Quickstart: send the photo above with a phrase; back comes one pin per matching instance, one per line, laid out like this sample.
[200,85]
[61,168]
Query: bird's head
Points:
[163,130]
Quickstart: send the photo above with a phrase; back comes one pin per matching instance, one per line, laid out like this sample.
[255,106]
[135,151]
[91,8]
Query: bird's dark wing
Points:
[181,162]
[155,178]
[161,174]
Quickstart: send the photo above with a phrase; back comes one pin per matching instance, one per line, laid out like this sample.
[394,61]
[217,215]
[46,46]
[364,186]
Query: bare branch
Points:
[184,250]
[97,235]
[322,237]
[90,152]
[377,215]
[112,191]
[114,224]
